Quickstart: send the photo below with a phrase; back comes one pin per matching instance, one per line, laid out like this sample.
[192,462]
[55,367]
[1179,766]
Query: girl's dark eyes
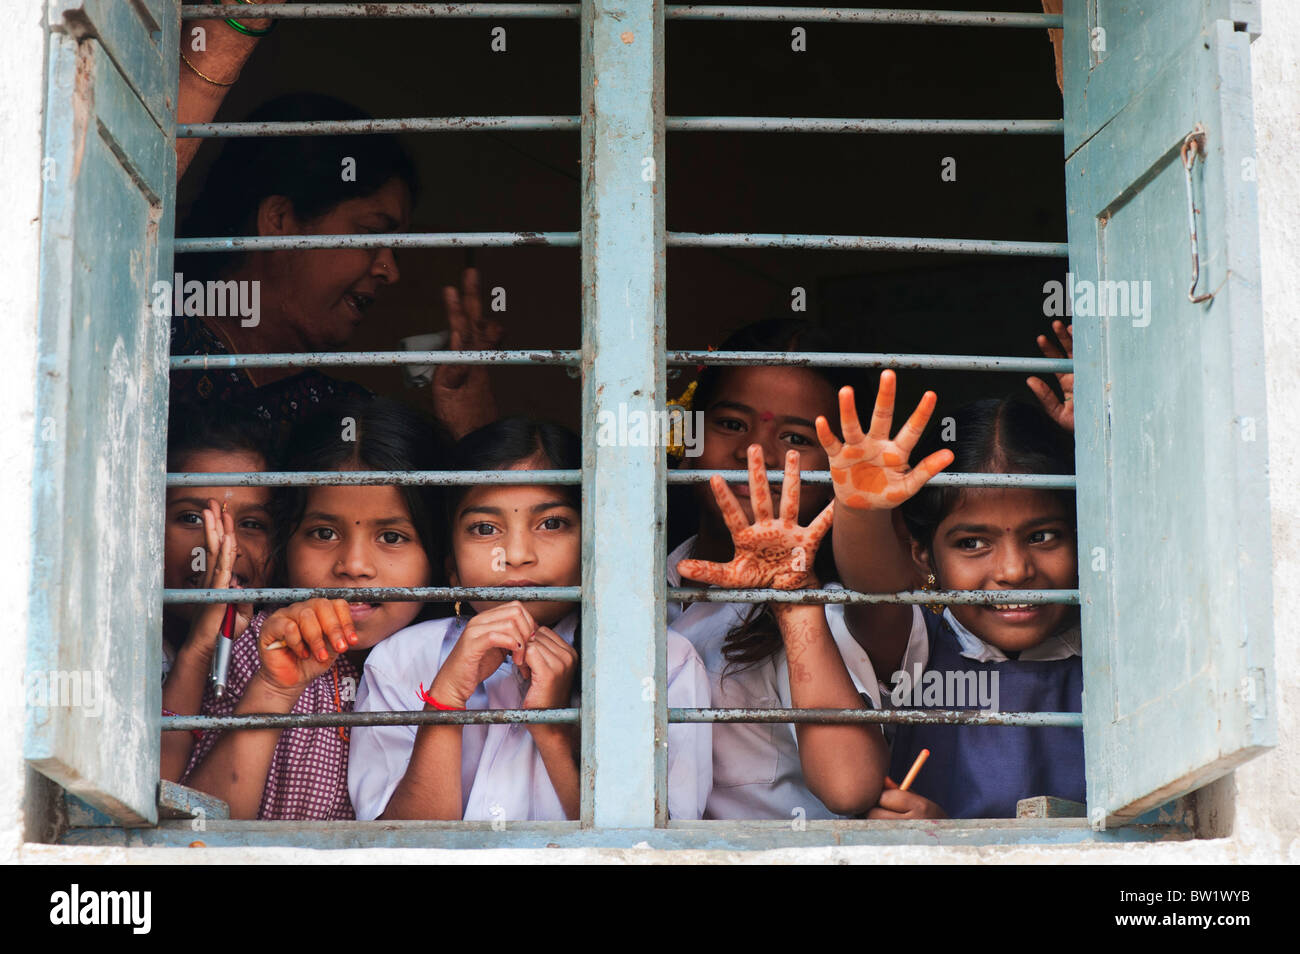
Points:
[480,529]
[255,525]
[1044,536]
[969,543]
[800,439]
[396,537]
[191,518]
[730,424]
[324,534]
[556,523]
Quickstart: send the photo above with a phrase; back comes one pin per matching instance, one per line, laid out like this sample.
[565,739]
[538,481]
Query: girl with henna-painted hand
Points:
[842,765]
[1013,656]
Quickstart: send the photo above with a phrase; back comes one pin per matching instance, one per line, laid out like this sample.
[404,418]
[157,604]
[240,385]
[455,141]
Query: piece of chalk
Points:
[278,644]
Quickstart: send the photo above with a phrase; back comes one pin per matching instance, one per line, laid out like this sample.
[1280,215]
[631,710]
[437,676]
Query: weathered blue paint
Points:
[106,223]
[443,478]
[816,124]
[868,359]
[702,835]
[866,243]
[1175,553]
[268,243]
[392,594]
[701,11]
[413,717]
[1069,720]
[354,127]
[372,478]
[380,11]
[377,594]
[815,359]
[362,359]
[910,127]
[1066,720]
[624,725]
[912,597]
[181,801]
[568,11]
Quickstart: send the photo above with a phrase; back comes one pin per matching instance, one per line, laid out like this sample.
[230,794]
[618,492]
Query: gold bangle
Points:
[201,76]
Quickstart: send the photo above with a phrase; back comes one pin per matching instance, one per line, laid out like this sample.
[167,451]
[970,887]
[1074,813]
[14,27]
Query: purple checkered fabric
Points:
[308,780]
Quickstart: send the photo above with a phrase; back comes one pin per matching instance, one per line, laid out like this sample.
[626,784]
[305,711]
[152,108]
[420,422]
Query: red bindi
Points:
[766,416]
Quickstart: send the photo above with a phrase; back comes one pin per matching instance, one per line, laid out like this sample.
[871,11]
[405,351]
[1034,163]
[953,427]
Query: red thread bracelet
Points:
[428,698]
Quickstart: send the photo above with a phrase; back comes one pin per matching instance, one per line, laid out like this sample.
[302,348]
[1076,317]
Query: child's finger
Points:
[883,814]
[820,525]
[1048,347]
[541,657]
[760,496]
[882,416]
[211,543]
[911,432]
[703,571]
[790,489]
[1046,396]
[470,300]
[732,515]
[557,643]
[225,567]
[335,622]
[288,633]
[312,635]
[1065,335]
[507,641]
[515,616]
[830,443]
[850,427]
[919,475]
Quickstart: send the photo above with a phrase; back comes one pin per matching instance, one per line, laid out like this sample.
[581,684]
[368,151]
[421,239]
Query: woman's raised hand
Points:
[471,328]
[488,638]
[1061,410]
[300,642]
[870,472]
[772,552]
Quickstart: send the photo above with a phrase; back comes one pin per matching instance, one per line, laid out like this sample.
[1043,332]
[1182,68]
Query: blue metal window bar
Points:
[623,754]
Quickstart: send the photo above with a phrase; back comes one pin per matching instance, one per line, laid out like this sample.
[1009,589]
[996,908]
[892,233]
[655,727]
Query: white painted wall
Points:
[1266,819]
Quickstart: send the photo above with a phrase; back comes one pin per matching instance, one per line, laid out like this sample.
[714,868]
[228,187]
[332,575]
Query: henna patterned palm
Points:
[773,552]
[869,470]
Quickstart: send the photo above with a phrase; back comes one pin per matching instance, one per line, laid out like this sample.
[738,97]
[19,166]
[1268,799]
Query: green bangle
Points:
[236,25]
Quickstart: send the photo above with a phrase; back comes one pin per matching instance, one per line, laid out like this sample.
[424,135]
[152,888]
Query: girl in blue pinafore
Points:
[1009,656]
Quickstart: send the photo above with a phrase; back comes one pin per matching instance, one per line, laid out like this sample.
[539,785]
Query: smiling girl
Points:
[215,537]
[965,539]
[763,418]
[505,656]
[305,658]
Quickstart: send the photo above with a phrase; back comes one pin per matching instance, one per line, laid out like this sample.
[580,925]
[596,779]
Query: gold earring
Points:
[931,584]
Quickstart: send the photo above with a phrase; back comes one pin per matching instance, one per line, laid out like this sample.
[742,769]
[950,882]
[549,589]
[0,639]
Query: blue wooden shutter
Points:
[94,645]
[1175,555]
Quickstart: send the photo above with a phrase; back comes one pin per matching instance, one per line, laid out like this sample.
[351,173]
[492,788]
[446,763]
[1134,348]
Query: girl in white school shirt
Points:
[774,770]
[506,656]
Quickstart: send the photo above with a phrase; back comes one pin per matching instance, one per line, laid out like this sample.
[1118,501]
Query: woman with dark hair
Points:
[301,300]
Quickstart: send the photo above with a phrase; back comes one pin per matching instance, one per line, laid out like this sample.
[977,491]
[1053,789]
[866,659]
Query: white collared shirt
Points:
[502,773]
[756,767]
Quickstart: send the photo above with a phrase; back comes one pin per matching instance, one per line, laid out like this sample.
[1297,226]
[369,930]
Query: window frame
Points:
[627,806]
